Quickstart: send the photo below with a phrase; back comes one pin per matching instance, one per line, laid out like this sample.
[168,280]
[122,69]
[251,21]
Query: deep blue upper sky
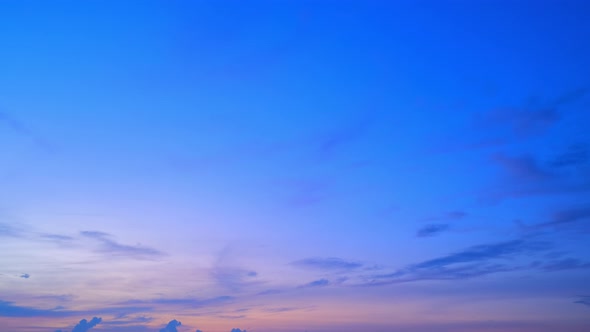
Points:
[295,165]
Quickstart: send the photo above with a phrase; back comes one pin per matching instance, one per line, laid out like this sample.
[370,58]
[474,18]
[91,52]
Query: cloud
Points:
[19,127]
[9,230]
[522,122]
[185,302]
[237,330]
[585,300]
[337,139]
[25,276]
[565,264]
[577,154]
[57,237]
[525,176]
[14,124]
[85,325]
[432,230]
[270,292]
[54,298]
[522,168]
[8,309]
[566,216]
[316,283]
[234,279]
[468,263]
[451,215]
[330,264]
[113,248]
[171,327]
[485,252]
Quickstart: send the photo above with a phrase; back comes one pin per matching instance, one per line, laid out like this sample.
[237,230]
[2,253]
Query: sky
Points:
[294,166]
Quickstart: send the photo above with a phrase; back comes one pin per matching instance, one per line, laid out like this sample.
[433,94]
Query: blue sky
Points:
[294,166]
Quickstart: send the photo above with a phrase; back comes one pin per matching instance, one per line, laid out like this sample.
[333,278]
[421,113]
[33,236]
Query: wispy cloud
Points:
[565,264]
[20,128]
[7,230]
[522,168]
[525,175]
[9,309]
[184,302]
[316,283]
[448,216]
[113,248]
[270,292]
[585,300]
[327,264]
[14,124]
[432,230]
[520,122]
[575,155]
[337,139]
[234,279]
[471,262]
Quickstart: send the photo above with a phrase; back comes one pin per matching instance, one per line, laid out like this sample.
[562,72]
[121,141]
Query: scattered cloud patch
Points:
[9,230]
[113,248]
[585,300]
[237,330]
[185,302]
[523,168]
[85,325]
[316,283]
[331,264]
[270,292]
[526,176]
[565,264]
[25,276]
[57,237]
[472,262]
[171,327]
[432,230]
[338,139]
[577,154]
[566,216]
[451,215]
[8,309]
[234,279]
[524,122]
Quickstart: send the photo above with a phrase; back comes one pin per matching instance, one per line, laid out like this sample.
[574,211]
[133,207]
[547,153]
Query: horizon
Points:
[294,166]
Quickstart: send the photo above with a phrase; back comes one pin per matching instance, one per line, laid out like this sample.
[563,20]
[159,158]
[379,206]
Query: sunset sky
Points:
[294,166]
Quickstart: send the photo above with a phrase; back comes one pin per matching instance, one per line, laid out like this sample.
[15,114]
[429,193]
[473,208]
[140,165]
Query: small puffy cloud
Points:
[25,276]
[171,327]
[85,325]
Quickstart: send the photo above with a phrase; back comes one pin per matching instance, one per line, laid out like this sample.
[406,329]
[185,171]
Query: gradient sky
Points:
[292,166]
